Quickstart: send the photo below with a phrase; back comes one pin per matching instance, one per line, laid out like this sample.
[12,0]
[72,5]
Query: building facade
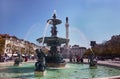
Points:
[65,51]
[75,50]
[13,44]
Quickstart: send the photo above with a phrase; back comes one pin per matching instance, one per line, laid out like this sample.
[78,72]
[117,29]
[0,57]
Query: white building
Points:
[75,50]
[65,51]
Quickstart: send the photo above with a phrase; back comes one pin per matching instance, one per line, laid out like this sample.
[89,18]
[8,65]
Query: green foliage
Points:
[29,49]
[23,50]
[108,48]
[2,43]
[87,52]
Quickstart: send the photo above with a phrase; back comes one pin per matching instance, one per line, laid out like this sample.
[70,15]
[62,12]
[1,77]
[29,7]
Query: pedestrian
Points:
[74,59]
[78,58]
[70,58]
[81,60]
[26,59]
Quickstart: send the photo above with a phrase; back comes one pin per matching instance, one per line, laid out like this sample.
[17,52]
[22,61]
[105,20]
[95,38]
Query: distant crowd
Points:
[25,58]
[76,58]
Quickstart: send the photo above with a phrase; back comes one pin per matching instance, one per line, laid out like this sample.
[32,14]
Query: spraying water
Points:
[76,30]
[45,30]
[30,30]
[55,12]
[91,50]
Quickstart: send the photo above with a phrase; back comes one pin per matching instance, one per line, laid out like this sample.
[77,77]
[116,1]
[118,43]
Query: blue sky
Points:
[88,19]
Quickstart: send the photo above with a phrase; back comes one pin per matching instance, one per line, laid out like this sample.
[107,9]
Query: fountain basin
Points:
[70,71]
[56,64]
[53,41]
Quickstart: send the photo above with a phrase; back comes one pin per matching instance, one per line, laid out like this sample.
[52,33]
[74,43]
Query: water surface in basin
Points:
[71,71]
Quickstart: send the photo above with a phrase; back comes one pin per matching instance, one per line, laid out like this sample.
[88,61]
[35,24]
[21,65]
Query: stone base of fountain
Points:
[39,73]
[92,67]
[55,59]
[56,64]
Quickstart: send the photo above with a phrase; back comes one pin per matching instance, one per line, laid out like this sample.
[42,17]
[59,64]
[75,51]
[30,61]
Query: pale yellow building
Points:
[14,44]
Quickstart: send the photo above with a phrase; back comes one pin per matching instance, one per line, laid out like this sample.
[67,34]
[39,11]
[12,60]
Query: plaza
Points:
[59,39]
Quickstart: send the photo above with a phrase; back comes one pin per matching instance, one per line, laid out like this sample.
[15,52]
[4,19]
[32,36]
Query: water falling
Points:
[45,30]
[82,35]
[91,50]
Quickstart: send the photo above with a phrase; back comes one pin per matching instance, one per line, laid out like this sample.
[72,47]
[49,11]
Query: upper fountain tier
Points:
[54,21]
[53,40]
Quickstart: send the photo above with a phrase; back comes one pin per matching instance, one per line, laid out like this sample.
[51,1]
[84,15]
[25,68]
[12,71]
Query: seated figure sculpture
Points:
[91,61]
[18,59]
[40,64]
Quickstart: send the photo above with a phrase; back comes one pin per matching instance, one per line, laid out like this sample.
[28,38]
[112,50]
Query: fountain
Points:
[54,58]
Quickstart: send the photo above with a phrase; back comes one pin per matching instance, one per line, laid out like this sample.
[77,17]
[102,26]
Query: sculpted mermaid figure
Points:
[92,60]
[40,64]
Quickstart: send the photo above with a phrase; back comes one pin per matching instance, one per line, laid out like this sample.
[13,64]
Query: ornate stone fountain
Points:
[54,57]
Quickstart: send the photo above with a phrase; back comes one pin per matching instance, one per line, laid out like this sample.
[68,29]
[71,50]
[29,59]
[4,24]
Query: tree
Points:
[14,49]
[109,48]
[23,50]
[31,50]
[2,44]
[87,53]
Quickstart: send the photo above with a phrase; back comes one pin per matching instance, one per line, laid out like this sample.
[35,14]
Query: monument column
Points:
[67,37]
[67,30]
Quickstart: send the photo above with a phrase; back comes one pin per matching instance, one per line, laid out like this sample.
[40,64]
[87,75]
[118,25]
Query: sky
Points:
[89,20]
